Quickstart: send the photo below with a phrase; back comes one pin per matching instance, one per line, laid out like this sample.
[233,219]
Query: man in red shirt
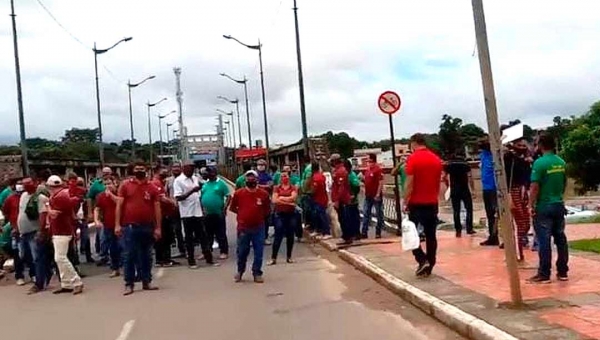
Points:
[138,221]
[423,171]
[10,210]
[341,197]
[104,218]
[168,208]
[321,201]
[252,206]
[373,189]
[62,229]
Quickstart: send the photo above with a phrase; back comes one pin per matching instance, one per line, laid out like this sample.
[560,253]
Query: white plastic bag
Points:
[410,235]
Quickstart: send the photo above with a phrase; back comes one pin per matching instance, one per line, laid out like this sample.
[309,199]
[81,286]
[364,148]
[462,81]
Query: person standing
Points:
[240,182]
[320,202]
[457,176]
[168,208]
[373,197]
[265,182]
[284,199]
[252,206]
[353,213]
[215,201]
[490,195]
[23,255]
[105,218]
[341,197]
[186,189]
[138,222]
[176,219]
[62,229]
[96,188]
[423,171]
[548,185]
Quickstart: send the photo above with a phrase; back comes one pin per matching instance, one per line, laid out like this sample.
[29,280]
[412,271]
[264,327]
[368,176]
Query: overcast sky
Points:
[545,58]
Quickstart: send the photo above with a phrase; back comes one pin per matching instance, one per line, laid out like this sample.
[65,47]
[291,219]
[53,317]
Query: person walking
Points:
[457,177]
[423,171]
[10,210]
[548,185]
[62,229]
[186,189]
[373,180]
[138,222]
[252,206]
[284,199]
[215,201]
[104,219]
[265,182]
[490,195]
[176,219]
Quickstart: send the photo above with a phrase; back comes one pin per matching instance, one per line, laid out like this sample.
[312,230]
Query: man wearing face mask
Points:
[104,218]
[139,222]
[215,201]
[168,207]
[265,182]
[176,219]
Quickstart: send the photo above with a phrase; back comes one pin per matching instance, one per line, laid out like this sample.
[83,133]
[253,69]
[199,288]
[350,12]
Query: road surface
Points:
[318,297]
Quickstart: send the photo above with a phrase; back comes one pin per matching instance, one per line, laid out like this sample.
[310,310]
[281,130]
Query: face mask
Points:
[19,188]
[251,184]
[140,174]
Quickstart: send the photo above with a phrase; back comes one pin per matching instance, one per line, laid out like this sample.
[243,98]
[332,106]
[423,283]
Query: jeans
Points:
[43,261]
[68,275]
[256,239]
[285,225]
[85,245]
[464,197]
[367,212]
[321,219]
[111,242]
[194,229]
[178,229]
[550,222]
[162,247]
[216,228]
[308,204]
[349,217]
[136,243]
[299,230]
[27,255]
[490,201]
[426,215]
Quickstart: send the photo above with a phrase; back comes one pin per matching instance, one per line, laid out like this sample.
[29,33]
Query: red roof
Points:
[250,153]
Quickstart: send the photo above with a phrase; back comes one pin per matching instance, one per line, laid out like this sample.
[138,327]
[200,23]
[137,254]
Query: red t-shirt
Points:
[138,202]
[373,177]
[285,192]
[251,207]
[108,207]
[167,209]
[64,223]
[425,167]
[319,184]
[340,189]
[10,209]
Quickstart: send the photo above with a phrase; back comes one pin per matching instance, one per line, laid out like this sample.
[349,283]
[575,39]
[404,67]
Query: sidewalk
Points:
[474,280]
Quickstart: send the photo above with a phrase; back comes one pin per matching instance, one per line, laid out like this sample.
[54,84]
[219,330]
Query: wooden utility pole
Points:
[496,147]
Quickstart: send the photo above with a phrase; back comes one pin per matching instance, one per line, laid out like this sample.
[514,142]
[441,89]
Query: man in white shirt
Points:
[176,172]
[186,189]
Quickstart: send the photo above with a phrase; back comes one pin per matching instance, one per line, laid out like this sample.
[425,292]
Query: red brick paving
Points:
[585,319]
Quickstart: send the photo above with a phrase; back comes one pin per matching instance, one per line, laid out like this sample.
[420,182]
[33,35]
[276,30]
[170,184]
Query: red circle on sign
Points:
[389,102]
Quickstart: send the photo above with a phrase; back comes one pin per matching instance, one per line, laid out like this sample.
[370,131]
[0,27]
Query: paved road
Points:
[319,297]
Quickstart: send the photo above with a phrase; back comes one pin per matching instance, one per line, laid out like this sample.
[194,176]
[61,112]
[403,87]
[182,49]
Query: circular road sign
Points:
[389,102]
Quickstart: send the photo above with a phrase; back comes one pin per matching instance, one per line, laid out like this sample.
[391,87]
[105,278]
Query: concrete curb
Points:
[456,319]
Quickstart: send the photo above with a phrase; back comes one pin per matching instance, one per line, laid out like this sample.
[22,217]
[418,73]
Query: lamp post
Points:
[301,85]
[228,129]
[168,138]
[96,52]
[150,129]
[243,82]
[129,87]
[160,118]
[230,114]
[262,85]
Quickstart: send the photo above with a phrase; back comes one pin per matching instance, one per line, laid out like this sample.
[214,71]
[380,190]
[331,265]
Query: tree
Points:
[76,135]
[450,138]
[471,134]
[342,143]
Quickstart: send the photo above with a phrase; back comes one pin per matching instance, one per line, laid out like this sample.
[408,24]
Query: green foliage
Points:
[76,135]
[590,245]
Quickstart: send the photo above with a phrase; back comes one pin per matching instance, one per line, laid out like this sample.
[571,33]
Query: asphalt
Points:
[318,297]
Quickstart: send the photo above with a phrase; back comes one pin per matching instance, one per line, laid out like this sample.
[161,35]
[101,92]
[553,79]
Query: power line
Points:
[61,26]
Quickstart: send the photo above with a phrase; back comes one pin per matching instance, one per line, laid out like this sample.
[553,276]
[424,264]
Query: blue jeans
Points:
[245,239]
[111,246]
[368,210]
[43,261]
[285,225]
[550,222]
[84,240]
[321,220]
[349,217]
[137,244]
[27,255]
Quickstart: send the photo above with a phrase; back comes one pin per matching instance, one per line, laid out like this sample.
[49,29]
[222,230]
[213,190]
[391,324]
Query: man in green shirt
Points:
[96,189]
[548,183]
[215,199]
[240,182]
[7,192]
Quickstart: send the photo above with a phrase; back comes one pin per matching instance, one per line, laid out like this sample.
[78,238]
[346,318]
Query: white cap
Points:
[251,172]
[54,181]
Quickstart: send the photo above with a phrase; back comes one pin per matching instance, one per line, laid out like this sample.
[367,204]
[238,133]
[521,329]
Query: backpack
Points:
[32,210]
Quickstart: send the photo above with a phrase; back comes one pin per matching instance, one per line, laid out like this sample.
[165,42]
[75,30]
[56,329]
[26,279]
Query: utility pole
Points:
[131,123]
[264,102]
[221,140]
[183,155]
[301,86]
[496,146]
[24,157]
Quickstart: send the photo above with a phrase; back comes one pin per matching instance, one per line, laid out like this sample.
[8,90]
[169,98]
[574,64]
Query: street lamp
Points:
[96,52]
[150,128]
[129,87]
[228,128]
[236,102]
[160,118]
[262,85]
[230,113]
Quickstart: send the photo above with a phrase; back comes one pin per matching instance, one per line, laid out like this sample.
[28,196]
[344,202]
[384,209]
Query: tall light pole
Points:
[230,114]
[228,129]
[244,83]
[168,138]
[301,86]
[129,87]
[96,52]
[24,156]
[150,129]
[160,118]
[262,86]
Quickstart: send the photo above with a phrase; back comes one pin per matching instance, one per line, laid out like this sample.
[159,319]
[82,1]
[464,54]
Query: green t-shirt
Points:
[306,174]
[213,196]
[96,189]
[402,177]
[549,171]
[4,195]
[354,186]
[6,236]
[276,178]
[240,182]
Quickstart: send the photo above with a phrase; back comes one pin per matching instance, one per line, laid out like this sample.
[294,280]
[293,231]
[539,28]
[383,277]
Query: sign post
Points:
[389,103]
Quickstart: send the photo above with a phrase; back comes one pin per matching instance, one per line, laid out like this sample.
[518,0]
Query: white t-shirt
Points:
[25,224]
[191,206]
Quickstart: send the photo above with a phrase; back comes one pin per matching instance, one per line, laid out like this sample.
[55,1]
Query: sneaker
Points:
[422,269]
[62,291]
[193,266]
[290,261]
[21,282]
[258,279]
[237,277]
[149,286]
[537,279]
[272,262]
[458,234]
[33,290]
[78,290]
[115,273]
[471,232]
[490,242]
[223,256]
[128,290]
[562,277]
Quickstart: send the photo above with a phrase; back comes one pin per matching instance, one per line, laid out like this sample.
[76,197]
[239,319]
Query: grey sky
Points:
[544,56]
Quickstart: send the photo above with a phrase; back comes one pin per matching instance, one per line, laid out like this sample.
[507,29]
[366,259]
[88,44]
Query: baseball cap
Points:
[251,173]
[106,171]
[335,157]
[54,181]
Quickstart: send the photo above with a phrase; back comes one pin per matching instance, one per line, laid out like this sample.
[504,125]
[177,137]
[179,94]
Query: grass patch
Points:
[591,219]
[592,245]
